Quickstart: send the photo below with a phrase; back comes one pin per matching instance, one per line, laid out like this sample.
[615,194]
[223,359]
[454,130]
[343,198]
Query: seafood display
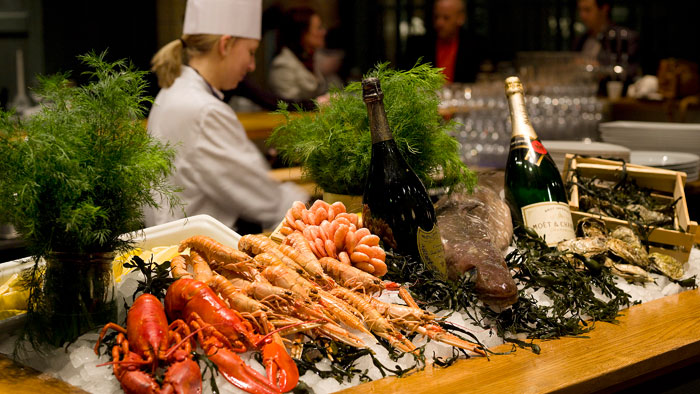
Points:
[621,250]
[280,304]
[222,332]
[265,297]
[470,242]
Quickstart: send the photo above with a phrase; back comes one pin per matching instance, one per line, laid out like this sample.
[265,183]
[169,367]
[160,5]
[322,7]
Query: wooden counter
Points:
[650,339]
[293,174]
[18,379]
[259,125]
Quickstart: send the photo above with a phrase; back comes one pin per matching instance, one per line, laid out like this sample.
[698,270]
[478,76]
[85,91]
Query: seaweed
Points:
[574,309]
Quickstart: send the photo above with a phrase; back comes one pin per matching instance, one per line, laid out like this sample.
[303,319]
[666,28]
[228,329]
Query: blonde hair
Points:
[167,62]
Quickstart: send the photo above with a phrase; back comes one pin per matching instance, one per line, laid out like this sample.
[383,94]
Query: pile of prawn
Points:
[333,232]
[285,288]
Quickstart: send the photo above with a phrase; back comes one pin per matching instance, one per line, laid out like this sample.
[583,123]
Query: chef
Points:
[220,171]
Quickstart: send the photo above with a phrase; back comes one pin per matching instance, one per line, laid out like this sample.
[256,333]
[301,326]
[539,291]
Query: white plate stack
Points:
[674,161]
[651,136]
[558,150]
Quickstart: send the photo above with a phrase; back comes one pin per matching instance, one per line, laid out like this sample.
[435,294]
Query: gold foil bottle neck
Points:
[513,85]
[518,112]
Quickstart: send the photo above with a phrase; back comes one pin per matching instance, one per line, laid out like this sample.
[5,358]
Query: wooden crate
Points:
[666,184]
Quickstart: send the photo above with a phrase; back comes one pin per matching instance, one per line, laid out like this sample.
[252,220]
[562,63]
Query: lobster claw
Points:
[130,377]
[182,376]
[281,370]
[232,367]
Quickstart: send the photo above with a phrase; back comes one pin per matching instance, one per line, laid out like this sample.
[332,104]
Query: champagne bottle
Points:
[395,204]
[533,185]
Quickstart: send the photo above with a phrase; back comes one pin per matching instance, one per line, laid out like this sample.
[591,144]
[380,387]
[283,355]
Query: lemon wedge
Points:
[9,284]
[14,300]
[164,253]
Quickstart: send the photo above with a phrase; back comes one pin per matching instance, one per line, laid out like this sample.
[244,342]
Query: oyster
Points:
[586,246]
[627,234]
[668,265]
[629,272]
[624,260]
[591,227]
[648,215]
[596,205]
[628,253]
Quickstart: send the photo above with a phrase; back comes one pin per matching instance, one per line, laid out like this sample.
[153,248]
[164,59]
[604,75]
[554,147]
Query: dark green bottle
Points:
[395,204]
[533,185]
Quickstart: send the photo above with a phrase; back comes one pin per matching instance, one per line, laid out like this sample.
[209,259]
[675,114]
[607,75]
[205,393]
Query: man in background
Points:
[449,45]
[613,47]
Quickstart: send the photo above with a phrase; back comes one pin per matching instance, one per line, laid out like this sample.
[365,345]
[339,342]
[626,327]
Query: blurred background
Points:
[52,33]
[534,39]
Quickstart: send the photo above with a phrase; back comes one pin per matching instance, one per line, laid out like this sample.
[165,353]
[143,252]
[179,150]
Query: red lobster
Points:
[222,332]
[151,341]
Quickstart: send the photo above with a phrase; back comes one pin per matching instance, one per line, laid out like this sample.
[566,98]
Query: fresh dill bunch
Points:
[333,145]
[75,176]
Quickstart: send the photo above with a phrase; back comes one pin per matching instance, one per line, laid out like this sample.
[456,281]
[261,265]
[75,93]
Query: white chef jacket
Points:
[222,172]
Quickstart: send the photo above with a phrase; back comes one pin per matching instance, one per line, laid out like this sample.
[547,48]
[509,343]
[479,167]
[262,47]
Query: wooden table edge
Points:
[648,338]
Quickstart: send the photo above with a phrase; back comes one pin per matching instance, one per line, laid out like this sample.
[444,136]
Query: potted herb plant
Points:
[333,144]
[73,178]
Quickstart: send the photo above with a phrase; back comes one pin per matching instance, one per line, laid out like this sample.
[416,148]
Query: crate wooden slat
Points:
[667,184]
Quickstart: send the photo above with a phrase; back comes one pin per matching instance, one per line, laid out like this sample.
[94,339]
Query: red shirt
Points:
[446,57]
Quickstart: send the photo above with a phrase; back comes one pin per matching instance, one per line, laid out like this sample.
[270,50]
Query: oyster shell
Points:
[595,205]
[648,215]
[668,265]
[629,272]
[627,234]
[591,227]
[628,253]
[587,246]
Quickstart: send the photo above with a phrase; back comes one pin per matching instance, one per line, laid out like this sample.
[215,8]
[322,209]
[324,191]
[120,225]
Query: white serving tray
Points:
[165,234]
[172,233]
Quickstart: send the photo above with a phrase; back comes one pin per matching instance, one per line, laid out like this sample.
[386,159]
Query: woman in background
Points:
[221,172]
[293,74]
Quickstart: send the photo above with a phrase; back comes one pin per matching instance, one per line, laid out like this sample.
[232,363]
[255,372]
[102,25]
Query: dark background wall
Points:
[126,29]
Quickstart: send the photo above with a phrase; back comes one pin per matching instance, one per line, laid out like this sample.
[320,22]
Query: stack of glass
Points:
[560,97]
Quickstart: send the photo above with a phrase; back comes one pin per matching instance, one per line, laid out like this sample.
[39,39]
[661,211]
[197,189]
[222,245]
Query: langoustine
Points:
[348,301]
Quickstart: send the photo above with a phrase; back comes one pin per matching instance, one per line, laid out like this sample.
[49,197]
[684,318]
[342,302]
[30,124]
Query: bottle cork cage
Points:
[665,185]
